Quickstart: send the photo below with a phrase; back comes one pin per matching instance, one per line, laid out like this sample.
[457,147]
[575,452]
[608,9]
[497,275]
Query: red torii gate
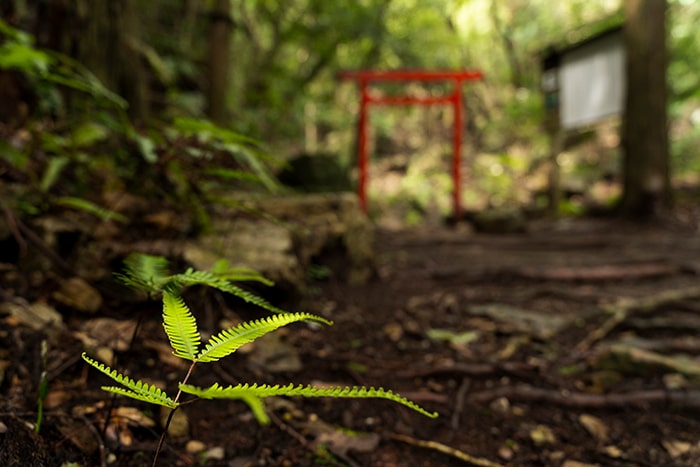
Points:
[455,98]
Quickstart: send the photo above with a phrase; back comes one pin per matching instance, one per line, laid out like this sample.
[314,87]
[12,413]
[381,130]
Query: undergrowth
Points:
[150,274]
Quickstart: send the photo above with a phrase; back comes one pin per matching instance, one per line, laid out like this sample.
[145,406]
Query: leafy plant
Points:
[150,273]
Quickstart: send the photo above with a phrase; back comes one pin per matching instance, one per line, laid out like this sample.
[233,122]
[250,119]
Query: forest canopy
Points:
[82,71]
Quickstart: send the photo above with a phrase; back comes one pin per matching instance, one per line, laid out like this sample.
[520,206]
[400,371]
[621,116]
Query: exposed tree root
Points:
[689,398]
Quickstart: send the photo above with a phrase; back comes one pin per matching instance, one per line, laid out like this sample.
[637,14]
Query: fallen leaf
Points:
[542,434]
[594,426]
[394,331]
[454,338]
[613,451]
[676,448]
[570,463]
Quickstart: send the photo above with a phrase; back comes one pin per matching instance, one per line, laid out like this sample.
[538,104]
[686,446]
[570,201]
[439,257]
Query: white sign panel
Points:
[592,81]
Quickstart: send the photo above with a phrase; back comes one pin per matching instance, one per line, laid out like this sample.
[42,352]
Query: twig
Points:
[456,453]
[98,439]
[41,246]
[12,224]
[289,430]
[459,403]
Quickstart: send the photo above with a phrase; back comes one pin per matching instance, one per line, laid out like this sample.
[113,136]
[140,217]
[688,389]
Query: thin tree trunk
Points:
[218,60]
[645,134]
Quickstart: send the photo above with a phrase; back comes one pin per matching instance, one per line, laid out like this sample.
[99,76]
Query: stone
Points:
[296,232]
[76,293]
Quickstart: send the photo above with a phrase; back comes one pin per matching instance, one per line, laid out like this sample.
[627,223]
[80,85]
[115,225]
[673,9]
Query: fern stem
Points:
[166,427]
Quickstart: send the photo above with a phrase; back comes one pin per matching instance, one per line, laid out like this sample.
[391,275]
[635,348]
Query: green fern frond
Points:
[134,389]
[192,277]
[257,407]
[145,272]
[260,391]
[229,340]
[223,270]
[142,396]
[181,327]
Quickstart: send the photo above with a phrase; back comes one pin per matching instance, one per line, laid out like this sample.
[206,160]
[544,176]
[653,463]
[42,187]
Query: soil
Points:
[575,343]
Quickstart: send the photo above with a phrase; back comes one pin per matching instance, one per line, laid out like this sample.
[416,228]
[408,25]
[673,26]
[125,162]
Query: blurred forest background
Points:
[191,99]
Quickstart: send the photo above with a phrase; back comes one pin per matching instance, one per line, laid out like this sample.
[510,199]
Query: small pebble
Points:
[194,446]
[216,453]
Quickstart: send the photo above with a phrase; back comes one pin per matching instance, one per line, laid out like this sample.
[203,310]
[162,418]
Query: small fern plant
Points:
[150,273]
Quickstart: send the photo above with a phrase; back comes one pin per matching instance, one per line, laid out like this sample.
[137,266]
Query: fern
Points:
[134,389]
[192,277]
[222,269]
[243,391]
[145,272]
[150,273]
[180,327]
[229,340]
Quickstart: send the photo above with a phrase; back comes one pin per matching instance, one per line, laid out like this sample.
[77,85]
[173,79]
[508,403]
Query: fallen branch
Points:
[456,453]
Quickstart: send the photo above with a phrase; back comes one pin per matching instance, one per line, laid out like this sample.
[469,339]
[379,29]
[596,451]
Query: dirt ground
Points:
[573,344]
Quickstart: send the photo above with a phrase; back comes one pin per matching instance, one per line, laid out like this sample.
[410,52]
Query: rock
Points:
[315,173]
[500,221]
[297,232]
[179,424]
[38,315]
[76,293]
[194,446]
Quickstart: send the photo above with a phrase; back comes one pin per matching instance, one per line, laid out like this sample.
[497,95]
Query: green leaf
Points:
[192,277]
[230,340]
[257,406]
[134,389]
[180,326]
[145,272]
[90,207]
[223,270]
[53,172]
[23,57]
[242,391]
[88,133]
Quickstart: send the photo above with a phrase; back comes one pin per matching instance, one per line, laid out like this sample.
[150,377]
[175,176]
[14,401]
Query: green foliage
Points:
[246,151]
[242,391]
[134,389]
[229,340]
[89,207]
[18,52]
[150,273]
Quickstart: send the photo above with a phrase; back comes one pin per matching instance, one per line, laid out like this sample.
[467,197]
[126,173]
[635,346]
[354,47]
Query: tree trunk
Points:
[103,35]
[218,60]
[645,134]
